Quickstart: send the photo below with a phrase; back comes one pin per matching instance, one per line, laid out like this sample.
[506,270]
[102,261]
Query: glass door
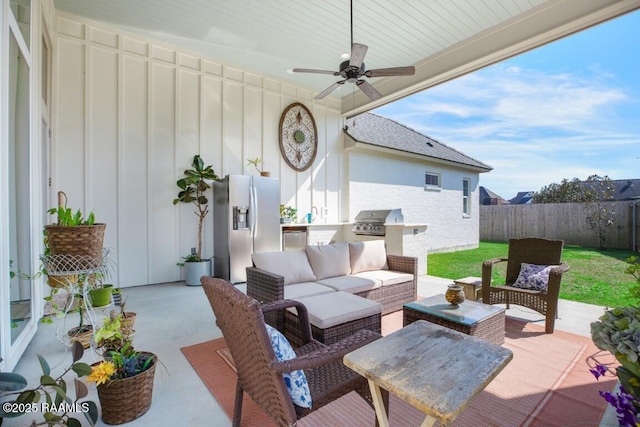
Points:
[17,323]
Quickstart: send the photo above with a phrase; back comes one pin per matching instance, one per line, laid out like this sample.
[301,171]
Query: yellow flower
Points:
[101,373]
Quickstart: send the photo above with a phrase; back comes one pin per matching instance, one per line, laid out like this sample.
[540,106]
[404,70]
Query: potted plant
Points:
[192,190]
[100,293]
[111,336]
[74,241]
[124,378]
[255,162]
[288,214]
[50,390]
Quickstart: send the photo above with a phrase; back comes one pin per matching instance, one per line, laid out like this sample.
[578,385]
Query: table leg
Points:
[378,404]
[428,421]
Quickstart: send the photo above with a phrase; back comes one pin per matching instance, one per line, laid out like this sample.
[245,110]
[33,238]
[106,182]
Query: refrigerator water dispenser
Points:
[240,217]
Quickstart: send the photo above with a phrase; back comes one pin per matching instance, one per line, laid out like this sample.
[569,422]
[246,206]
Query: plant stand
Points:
[73,271]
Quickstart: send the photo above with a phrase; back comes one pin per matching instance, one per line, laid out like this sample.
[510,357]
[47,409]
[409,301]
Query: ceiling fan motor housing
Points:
[351,73]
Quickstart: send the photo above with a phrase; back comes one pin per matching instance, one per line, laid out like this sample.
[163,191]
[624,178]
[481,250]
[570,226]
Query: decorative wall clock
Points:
[298,137]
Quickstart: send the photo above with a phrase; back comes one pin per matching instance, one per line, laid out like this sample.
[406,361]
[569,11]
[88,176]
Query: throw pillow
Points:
[329,260]
[368,256]
[296,381]
[534,277]
[293,266]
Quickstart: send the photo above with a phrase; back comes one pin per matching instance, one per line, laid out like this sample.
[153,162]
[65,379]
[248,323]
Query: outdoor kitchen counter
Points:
[317,224]
[319,233]
[400,239]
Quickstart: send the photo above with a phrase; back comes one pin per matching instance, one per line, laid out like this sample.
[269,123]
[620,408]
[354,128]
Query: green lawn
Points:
[595,276]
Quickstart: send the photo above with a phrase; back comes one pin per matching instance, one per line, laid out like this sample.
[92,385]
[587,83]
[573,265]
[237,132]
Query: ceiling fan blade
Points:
[310,70]
[330,89]
[369,90]
[395,71]
[358,51]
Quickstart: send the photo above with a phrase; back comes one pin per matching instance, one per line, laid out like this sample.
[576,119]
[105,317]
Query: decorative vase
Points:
[127,399]
[454,295]
[265,173]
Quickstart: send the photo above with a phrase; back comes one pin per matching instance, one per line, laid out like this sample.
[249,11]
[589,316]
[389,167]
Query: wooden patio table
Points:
[433,368]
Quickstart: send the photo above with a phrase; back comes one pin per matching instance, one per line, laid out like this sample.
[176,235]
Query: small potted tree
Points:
[255,163]
[192,190]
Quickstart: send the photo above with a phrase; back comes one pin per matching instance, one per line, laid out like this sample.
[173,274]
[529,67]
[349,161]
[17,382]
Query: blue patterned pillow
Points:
[534,277]
[296,381]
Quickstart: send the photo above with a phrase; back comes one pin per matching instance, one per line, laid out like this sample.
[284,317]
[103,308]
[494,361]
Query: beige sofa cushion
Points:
[293,266]
[367,256]
[351,284]
[329,260]
[305,289]
[336,308]
[387,277]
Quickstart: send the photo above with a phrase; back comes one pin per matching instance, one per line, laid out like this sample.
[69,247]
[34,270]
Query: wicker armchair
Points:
[240,318]
[531,251]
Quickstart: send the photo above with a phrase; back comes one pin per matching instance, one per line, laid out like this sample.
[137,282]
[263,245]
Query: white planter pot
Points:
[193,271]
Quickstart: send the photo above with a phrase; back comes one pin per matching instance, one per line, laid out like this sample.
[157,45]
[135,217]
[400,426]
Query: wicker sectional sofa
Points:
[361,268]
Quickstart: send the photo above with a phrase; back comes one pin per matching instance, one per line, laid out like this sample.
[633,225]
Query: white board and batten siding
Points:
[129,116]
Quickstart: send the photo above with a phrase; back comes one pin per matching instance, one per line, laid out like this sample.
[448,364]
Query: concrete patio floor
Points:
[172,315]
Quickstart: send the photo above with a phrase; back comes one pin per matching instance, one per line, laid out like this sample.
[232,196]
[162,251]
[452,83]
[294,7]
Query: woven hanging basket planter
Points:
[80,241]
[127,399]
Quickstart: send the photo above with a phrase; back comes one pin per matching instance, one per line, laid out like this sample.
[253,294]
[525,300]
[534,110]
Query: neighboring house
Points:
[626,189]
[389,165]
[522,198]
[488,197]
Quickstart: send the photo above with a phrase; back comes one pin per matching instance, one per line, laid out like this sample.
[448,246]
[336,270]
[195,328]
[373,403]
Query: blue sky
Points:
[564,110]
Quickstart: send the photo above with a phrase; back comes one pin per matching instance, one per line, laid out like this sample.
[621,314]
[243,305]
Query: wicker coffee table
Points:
[471,317]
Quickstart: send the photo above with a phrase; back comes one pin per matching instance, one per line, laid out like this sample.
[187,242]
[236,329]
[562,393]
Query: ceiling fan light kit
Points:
[353,71]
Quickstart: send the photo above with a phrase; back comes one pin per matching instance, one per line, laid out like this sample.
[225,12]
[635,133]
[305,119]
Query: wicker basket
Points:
[127,399]
[62,282]
[126,324]
[79,240]
[82,335]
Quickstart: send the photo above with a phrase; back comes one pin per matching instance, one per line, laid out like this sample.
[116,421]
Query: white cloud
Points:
[532,127]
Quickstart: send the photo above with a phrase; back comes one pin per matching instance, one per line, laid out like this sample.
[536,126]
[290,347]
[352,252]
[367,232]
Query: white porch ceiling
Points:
[442,38]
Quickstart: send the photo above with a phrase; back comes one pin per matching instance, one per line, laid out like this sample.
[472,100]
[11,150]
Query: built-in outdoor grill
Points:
[372,223]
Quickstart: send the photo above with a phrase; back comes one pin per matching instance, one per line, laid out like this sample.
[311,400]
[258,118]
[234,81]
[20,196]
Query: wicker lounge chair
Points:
[531,251]
[241,320]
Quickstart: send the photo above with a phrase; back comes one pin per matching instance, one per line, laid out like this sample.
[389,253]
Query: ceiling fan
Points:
[353,70]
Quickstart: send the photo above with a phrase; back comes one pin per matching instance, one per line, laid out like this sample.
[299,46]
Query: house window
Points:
[466,199]
[432,180]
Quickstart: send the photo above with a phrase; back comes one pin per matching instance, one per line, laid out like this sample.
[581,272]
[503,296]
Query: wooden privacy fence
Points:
[565,221]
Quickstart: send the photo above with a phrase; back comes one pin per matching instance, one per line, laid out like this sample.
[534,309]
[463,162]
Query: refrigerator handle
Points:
[253,217]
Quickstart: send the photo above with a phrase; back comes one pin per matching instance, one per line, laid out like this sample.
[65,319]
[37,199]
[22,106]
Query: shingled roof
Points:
[488,197]
[379,131]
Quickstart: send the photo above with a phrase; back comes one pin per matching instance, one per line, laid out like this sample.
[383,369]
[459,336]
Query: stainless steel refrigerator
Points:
[246,216]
